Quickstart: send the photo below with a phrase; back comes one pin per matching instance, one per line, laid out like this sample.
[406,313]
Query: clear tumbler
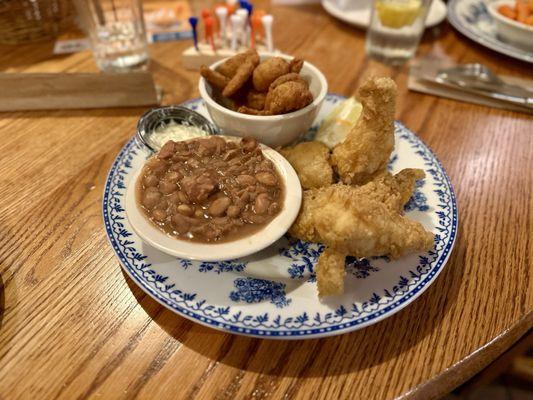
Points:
[116,31]
[396,27]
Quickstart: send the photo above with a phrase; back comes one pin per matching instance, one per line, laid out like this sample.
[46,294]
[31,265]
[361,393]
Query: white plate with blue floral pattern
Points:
[273,293]
[472,19]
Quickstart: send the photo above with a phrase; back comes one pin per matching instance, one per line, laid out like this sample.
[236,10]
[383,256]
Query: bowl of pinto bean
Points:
[273,130]
[213,198]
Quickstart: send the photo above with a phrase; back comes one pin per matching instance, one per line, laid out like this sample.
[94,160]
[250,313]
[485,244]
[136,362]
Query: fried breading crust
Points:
[406,180]
[244,72]
[252,111]
[290,77]
[231,65]
[330,272]
[367,147]
[392,190]
[296,65]
[355,221]
[215,78]
[255,100]
[268,71]
[287,97]
[310,160]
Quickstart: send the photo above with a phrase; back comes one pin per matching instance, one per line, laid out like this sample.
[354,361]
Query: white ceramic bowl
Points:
[151,235]
[274,130]
[512,31]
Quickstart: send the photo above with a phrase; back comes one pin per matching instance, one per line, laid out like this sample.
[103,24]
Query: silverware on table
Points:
[479,79]
[473,83]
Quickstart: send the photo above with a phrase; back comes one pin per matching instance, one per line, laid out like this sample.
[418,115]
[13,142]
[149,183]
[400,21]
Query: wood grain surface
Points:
[74,326]
[59,91]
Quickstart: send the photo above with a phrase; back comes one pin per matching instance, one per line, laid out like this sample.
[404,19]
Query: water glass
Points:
[116,31]
[396,27]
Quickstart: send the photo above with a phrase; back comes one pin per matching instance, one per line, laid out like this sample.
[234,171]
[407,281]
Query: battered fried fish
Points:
[330,272]
[387,194]
[367,147]
[310,160]
[392,190]
[405,181]
[358,222]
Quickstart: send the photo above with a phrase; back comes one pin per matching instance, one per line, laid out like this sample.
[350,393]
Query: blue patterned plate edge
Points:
[493,44]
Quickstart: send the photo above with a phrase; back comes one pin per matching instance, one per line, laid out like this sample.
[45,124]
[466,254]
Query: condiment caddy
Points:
[228,30]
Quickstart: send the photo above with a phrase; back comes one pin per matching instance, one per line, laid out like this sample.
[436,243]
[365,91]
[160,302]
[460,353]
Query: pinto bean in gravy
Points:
[210,189]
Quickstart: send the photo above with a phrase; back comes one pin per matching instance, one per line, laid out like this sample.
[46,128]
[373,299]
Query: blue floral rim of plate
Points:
[474,21]
[303,325]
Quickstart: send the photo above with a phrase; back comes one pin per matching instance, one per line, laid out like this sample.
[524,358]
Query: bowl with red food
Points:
[514,21]
[213,198]
[274,98]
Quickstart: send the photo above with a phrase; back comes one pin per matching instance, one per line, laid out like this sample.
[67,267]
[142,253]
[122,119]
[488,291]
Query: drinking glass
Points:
[116,31]
[396,27]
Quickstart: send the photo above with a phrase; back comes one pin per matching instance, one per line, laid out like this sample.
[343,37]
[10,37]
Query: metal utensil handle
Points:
[519,101]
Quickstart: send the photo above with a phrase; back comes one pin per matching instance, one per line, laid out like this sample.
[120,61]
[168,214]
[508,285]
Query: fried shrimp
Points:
[268,71]
[215,78]
[244,72]
[287,97]
[231,65]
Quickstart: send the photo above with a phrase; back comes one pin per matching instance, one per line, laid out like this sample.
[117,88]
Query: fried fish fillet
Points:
[405,181]
[359,222]
[367,147]
[330,272]
[392,190]
[310,160]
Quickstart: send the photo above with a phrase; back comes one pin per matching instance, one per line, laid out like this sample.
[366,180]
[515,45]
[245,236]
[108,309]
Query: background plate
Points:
[358,14]
[273,293]
[472,19]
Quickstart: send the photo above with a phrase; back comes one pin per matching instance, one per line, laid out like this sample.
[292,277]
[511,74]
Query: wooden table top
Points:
[74,326]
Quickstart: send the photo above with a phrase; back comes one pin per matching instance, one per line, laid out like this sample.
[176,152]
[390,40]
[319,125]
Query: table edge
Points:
[461,371]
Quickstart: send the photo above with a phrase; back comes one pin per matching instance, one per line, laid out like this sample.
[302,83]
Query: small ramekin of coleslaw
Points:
[161,124]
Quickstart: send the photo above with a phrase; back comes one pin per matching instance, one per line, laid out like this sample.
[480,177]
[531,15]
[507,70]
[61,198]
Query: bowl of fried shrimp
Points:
[273,98]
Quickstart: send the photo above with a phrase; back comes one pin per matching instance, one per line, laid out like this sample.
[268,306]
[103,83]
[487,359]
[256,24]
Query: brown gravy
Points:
[210,189]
